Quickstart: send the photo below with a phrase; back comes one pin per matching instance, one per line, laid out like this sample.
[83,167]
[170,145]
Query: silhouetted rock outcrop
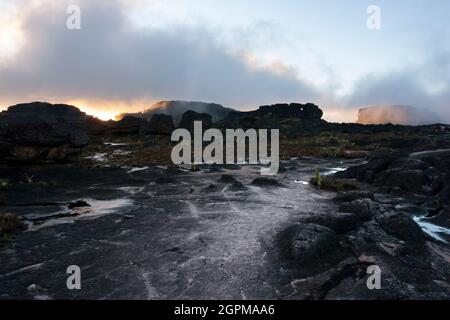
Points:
[43,132]
[187,121]
[404,115]
[129,126]
[307,116]
[176,109]
[293,110]
[161,124]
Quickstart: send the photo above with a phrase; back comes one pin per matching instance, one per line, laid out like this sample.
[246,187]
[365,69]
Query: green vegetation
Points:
[9,224]
[333,184]
[5,184]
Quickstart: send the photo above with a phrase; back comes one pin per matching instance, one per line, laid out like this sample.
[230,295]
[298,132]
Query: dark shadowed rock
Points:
[401,226]
[78,204]
[175,109]
[340,222]
[188,118]
[353,195]
[237,186]
[293,110]
[49,113]
[41,134]
[266,182]
[164,180]
[309,245]
[364,208]
[161,124]
[211,188]
[408,180]
[226,178]
[130,125]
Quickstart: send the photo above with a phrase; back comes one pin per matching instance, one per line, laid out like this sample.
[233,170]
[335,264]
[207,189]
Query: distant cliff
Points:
[404,115]
[177,108]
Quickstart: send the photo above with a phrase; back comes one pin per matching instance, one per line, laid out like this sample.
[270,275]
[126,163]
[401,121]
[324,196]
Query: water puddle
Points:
[95,209]
[432,230]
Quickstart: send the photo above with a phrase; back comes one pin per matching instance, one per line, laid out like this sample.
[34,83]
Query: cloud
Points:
[424,86]
[113,63]
[110,59]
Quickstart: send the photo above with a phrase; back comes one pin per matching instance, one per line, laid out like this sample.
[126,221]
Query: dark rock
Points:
[226,178]
[364,208]
[237,186]
[211,188]
[130,125]
[40,134]
[164,180]
[175,109]
[78,204]
[401,226]
[412,181]
[340,222]
[354,195]
[63,154]
[293,110]
[48,113]
[188,118]
[266,182]
[308,245]
[161,124]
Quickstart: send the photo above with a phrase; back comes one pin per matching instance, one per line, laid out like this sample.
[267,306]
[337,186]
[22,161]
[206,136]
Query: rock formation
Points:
[404,115]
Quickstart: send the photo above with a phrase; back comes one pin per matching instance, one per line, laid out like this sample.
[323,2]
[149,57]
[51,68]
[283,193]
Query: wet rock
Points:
[401,226]
[308,245]
[340,222]
[226,178]
[412,181]
[237,186]
[441,218]
[408,208]
[211,188]
[78,204]
[353,195]
[266,182]
[164,180]
[364,208]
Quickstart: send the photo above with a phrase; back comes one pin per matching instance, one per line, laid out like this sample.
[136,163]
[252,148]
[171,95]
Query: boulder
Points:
[226,178]
[266,182]
[310,245]
[401,226]
[130,125]
[340,222]
[412,181]
[353,195]
[364,208]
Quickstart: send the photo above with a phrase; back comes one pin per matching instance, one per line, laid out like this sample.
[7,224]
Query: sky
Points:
[239,53]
